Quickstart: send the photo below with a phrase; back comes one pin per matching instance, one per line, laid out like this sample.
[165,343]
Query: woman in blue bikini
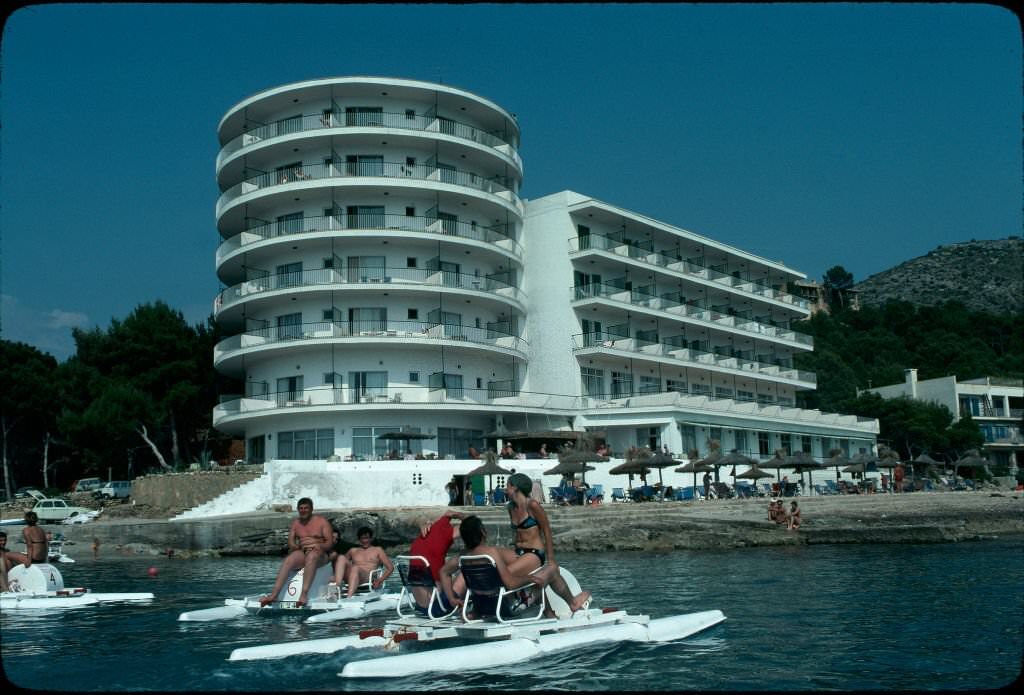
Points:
[534,547]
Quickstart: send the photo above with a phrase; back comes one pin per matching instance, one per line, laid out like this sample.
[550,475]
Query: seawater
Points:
[820,618]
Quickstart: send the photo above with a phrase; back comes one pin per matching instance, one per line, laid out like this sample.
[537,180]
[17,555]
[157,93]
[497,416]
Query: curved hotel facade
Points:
[381,272]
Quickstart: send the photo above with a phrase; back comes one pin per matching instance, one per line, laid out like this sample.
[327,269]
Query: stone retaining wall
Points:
[187,490]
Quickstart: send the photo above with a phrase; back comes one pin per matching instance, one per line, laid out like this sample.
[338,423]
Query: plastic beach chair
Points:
[417,579]
[618,495]
[489,597]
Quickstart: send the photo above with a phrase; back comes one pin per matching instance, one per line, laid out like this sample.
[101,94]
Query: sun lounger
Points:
[488,599]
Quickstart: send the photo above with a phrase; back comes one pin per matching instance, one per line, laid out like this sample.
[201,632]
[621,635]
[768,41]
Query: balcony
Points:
[673,303]
[671,261]
[405,332]
[390,398]
[495,235]
[333,279]
[603,341]
[341,121]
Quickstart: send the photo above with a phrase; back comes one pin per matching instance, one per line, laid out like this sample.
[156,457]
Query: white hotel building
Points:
[381,271]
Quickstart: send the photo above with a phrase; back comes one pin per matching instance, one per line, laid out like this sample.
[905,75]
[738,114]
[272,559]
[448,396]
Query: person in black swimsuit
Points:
[534,540]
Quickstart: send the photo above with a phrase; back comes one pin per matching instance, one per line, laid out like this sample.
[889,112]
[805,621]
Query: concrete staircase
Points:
[247,497]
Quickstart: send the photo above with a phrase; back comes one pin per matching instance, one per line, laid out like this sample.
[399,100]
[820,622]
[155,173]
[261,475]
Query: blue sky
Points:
[815,134]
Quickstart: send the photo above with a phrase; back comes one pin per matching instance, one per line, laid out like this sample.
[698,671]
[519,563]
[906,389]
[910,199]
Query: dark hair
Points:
[302,501]
[31,518]
[364,531]
[522,482]
[3,534]
[472,531]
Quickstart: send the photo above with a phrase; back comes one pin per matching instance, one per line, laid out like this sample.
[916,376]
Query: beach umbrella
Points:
[734,458]
[755,473]
[836,458]
[778,461]
[695,467]
[924,460]
[970,459]
[661,460]
[631,468]
[490,468]
[802,461]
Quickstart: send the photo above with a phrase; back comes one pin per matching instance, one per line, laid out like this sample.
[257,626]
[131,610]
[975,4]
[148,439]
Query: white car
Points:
[55,509]
[115,489]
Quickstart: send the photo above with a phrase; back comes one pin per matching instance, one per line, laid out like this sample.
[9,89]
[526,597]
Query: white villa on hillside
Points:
[994,403]
[382,272]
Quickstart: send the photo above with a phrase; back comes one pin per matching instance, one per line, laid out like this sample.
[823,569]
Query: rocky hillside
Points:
[984,275]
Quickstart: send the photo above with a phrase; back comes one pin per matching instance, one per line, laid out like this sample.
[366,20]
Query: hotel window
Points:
[452,383]
[367,386]
[805,444]
[593,382]
[723,392]
[786,443]
[675,385]
[367,320]
[289,274]
[364,164]
[700,389]
[764,445]
[622,384]
[292,124]
[289,326]
[413,314]
[410,114]
[410,211]
[365,268]
[257,449]
[365,216]
[456,442]
[649,384]
[689,437]
[715,434]
[414,377]
[364,115]
[741,441]
[290,223]
[289,390]
[745,396]
[367,444]
[583,234]
[305,444]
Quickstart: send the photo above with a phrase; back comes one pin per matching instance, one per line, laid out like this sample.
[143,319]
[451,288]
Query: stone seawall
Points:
[910,518]
[187,490]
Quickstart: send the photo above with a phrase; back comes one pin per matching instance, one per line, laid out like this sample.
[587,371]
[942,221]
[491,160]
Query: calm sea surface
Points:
[899,617]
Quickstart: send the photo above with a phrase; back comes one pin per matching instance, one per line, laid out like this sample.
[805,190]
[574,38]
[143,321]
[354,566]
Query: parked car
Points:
[54,509]
[87,485]
[115,489]
[23,492]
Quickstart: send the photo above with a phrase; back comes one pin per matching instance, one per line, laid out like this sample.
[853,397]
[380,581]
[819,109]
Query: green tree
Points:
[837,282]
[28,409]
[161,383]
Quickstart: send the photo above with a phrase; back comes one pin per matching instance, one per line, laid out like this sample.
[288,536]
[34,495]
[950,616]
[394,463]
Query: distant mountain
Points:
[984,275]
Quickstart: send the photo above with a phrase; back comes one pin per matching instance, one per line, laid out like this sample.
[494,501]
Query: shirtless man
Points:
[309,543]
[35,545]
[363,559]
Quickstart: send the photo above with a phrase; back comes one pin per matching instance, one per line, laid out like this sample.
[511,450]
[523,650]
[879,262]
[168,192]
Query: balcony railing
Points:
[373,329]
[401,121]
[673,303]
[497,185]
[600,242]
[324,277]
[497,235]
[393,397]
[610,341]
